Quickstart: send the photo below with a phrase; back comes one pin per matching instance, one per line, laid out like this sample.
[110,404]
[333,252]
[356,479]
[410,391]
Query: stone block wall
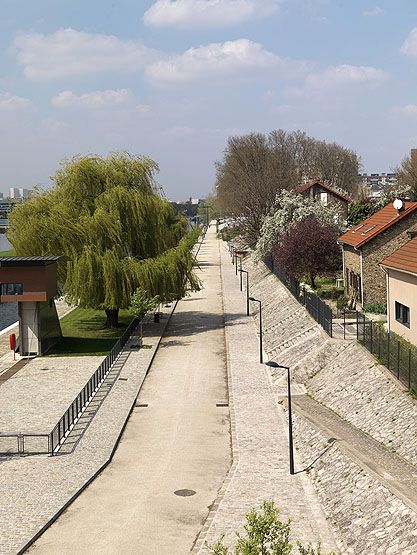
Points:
[374,279]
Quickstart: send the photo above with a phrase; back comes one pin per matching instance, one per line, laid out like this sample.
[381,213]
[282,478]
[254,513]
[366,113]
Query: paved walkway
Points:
[177,438]
[34,489]
[260,470]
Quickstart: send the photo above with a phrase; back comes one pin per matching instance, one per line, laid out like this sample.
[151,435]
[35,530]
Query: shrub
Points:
[342,302]
[265,534]
[375,308]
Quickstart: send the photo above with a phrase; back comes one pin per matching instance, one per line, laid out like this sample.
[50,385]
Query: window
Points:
[324,198]
[402,314]
[11,289]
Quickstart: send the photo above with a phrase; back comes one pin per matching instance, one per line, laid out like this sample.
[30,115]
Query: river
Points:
[8,311]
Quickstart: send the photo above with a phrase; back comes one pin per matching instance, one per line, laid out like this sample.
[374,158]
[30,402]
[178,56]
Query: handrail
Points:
[82,400]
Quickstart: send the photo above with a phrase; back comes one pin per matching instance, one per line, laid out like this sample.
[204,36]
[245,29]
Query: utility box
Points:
[31,281]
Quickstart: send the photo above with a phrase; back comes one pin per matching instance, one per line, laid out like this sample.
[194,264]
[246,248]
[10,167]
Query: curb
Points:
[108,461]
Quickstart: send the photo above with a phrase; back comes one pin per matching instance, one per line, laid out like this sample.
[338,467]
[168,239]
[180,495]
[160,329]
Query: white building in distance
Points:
[19,193]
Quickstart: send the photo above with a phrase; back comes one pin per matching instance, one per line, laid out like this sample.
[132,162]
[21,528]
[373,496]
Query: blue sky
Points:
[173,79]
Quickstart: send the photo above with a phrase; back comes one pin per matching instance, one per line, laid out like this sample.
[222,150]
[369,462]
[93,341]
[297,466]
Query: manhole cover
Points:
[122,379]
[222,404]
[185,492]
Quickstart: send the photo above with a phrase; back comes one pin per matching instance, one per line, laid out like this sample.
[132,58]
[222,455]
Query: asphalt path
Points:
[178,438]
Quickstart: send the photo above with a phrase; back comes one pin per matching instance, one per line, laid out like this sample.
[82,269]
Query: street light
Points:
[274,364]
[240,254]
[247,288]
[261,359]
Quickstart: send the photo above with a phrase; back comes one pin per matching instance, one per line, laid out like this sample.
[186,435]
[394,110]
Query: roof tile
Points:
[367,230]
[404,258]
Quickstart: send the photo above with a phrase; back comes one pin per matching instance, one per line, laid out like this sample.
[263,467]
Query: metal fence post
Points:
[409,368]
[371,335]
[398,359]
[357,326]
[344,324]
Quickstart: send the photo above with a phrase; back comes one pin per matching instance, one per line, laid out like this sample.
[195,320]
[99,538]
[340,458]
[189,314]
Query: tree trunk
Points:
[112,317]
[312,280]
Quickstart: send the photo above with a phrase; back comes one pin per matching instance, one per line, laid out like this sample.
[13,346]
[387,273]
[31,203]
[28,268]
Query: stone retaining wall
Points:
[366,516]
[341,374]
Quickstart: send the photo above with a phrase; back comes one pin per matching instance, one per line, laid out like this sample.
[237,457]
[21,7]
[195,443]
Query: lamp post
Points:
[247,288]
[240,254]
[274,364]
[261,359]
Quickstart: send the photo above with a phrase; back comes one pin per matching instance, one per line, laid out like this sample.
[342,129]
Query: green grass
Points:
[84,333]
[11,252]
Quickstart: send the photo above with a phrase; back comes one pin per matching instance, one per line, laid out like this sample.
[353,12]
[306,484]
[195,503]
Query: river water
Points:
[8,311]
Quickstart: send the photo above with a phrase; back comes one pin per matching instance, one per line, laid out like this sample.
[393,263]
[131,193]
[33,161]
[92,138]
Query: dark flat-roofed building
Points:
[31,281]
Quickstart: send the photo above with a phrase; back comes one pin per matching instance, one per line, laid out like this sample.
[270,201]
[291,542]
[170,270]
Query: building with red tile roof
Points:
[401,275]
[369,242]
[327,195]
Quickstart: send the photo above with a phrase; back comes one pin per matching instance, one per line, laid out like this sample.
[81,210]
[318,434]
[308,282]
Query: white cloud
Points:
[207,13]
[339,79]
[178,132]
[374,12]
[409,46]
[92,100]
[68,52]
[9,102]
[239,58]
[408,110]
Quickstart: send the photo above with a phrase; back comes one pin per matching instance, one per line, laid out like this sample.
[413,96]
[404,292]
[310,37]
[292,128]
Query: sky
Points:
[173,79]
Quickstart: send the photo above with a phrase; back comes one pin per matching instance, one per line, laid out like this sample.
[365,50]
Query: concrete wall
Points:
[402,288]
[374,280]
[49,326]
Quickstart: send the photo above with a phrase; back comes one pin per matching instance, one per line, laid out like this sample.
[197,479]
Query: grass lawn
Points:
[11,252]
[84,333]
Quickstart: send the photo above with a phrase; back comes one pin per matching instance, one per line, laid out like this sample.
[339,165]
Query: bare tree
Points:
[256,167]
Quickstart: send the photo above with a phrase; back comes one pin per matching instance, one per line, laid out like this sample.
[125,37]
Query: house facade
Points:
[369,242]
[328,196]
[401,277]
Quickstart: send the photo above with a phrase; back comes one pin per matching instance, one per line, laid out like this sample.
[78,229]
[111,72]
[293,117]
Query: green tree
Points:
[291,209]
[105,216]
[360,210]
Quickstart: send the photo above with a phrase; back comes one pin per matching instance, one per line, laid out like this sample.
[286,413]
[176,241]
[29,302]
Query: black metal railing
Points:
[389,350]
[316,307]
[290,283]
[77,407]
[319,310]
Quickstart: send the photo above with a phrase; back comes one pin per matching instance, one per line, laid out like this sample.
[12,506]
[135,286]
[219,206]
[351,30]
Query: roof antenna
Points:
[398,205]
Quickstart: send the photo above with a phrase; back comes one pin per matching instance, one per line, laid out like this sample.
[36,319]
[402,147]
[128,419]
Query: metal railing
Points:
[77,407]
[316,307]
[389,350]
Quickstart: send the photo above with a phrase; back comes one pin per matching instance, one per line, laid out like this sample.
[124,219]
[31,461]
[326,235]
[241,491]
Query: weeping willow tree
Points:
[106,217]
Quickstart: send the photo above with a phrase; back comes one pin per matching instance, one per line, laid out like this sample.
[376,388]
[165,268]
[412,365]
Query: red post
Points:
[12,339]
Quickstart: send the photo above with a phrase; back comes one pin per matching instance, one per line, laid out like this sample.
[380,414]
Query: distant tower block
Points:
[31,281]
